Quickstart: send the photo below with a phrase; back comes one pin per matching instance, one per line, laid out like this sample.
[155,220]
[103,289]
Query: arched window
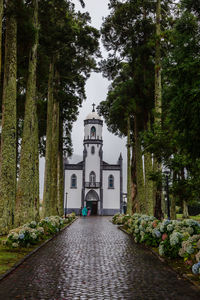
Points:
[93,132]
[92,149]
[92,177]
[73,181]
[111,182]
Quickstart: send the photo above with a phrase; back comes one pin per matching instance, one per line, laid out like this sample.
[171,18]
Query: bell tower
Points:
[93,127]
[92,161]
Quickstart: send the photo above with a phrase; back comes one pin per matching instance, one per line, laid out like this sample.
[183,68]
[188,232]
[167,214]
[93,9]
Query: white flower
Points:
[141,228]
[181,252]
[15,236]
[170,227]
[161,249]
[34,236]
[40,229]
[175,238]
[33,224]
[162,228]
[197,256]
[15,245]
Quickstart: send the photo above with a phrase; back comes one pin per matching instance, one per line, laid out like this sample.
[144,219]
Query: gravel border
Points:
[32,252]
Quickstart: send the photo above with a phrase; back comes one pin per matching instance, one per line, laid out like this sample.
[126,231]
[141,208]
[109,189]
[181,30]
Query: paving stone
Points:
[92,260]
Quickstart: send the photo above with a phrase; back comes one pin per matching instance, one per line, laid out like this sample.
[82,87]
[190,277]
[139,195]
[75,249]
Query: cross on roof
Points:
[93,107]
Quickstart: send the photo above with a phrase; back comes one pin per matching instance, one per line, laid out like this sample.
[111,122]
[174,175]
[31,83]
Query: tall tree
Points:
[1,19]
[47,178]
[72,44]
[158,108]
[27,200]
[128,34]
[8,136]
[129,200]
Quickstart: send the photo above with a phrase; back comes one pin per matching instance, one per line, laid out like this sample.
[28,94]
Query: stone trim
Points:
[110,211]
[111,167]
[93,121]
[88,141]
[104,212]
[74,167]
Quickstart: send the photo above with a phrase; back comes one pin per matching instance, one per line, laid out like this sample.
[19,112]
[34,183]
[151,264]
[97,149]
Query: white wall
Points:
[89,189]
[111,197]
[98,131]
[92,162]
[74,195]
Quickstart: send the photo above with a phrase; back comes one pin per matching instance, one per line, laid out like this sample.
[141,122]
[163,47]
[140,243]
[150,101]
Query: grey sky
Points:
[96,91]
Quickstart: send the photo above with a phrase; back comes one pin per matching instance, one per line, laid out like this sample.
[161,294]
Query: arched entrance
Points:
[91,200]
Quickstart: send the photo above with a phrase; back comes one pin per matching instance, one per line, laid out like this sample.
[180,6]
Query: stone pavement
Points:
[92,259]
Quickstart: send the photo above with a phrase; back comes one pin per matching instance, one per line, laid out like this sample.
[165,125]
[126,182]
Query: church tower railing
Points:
[92,184]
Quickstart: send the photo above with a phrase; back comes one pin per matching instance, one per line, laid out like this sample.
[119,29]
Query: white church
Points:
[93,182]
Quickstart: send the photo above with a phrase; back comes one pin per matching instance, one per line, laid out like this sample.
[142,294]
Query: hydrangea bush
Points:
[31,233]
[173,238]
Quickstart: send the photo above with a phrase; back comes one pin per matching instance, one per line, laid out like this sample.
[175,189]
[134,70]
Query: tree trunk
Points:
[184,202]
[158,87]
[129,200]
[173,202]
[47,175]
[36,186]
[148,167]
[54,158]
[140,199]
[60,195]
[8,137]
[185,210]
[1,17]
[158,107]
[133,180]
[27,207]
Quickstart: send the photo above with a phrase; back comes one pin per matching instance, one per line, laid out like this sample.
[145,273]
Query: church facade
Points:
[93,182]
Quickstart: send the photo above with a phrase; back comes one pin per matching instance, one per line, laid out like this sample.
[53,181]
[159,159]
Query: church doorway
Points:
[92,199]
[93,205]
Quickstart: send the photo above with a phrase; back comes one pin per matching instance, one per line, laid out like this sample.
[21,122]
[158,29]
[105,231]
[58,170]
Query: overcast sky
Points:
[96,91]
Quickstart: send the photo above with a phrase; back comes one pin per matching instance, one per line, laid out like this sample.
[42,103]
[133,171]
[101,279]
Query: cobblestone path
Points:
[92,259]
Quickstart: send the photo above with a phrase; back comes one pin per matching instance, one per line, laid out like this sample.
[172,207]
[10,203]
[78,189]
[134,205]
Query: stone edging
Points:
[32,252]
[163,260]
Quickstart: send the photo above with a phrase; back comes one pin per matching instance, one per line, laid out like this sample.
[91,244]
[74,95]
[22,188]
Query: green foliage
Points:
[68,37]
[175,141]
[170,251]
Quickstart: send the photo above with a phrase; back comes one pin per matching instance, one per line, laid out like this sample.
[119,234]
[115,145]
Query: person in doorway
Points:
[84,211]
[89,211]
